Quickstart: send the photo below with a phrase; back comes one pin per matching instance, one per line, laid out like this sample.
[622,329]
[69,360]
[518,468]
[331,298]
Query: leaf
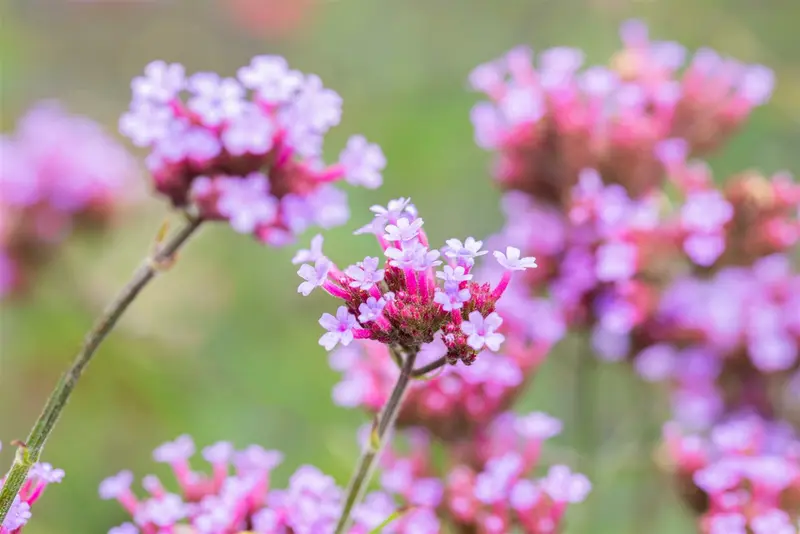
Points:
[374,436]
[161,235]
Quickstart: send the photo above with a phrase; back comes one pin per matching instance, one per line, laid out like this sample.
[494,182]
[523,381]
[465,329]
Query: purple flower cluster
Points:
[694,282]
[745,475]
[488,487]
[592,260]
[549,123]
[451,403]
[40,476]
[248,150]
[752,216]
[59,172]
[743,328]
[400,302]
[230,501]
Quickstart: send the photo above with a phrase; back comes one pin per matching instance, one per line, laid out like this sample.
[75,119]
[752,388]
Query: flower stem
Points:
[586,402]
[425,369]
[378,438]
[28,453]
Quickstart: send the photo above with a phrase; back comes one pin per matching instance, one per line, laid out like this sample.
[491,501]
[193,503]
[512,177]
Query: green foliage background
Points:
[222,347]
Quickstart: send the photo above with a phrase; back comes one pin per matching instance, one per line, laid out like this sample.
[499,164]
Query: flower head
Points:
[225,499]
[401,303]
[247,150]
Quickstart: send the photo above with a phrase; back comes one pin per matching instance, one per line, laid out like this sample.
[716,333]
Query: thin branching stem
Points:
[28,453]
[378,438]
[425,369]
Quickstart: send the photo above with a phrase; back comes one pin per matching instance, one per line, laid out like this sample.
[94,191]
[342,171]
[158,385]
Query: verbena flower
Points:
[60,172]
[450,404]
[400,303]
[744,473]
[489,487]
[743,330]
[40,476]
[248,150]
[237,496]
[547,123]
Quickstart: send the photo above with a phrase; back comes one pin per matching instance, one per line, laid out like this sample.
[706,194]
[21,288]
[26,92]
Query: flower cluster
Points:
[726,342]
[596,262]
[230,501]
[487,485]
[752,216]
[635,241]
[549,123]
[449,404]
[59,172]
[248,150]
[744,477]
[400,304]
[40,476]
[454,402]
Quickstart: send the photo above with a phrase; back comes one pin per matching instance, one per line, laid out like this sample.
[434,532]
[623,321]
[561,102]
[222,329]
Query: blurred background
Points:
[222,347]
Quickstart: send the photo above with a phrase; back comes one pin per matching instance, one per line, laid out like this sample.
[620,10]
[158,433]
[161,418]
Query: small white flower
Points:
[371,309]
[339,328]
[312,254]
[403,230]
[314,276]
[511,260]
[366,274]
[481,332]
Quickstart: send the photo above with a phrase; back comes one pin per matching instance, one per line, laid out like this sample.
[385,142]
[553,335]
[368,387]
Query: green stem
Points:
[433,366]
[29,452]
[378,438]
[586,399]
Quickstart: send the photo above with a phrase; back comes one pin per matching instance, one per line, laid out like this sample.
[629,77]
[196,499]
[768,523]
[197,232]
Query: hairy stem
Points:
[378,438]
[29,452]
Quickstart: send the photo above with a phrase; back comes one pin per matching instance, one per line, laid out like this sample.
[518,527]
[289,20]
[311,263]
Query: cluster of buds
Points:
[230,501]
[248,150]
[40,476]
[744,477]
[487,486]
[60,172]
[548,124]
[402,305]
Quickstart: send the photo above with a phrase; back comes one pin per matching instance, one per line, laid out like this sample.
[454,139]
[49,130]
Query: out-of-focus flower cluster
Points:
[487,484]
[237,496]
[39,477]
[744,477]
[636,243]
[400,303]
[728,342]
[248,150]
[59,172]
[450,404]
[546,124]
[269,17]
